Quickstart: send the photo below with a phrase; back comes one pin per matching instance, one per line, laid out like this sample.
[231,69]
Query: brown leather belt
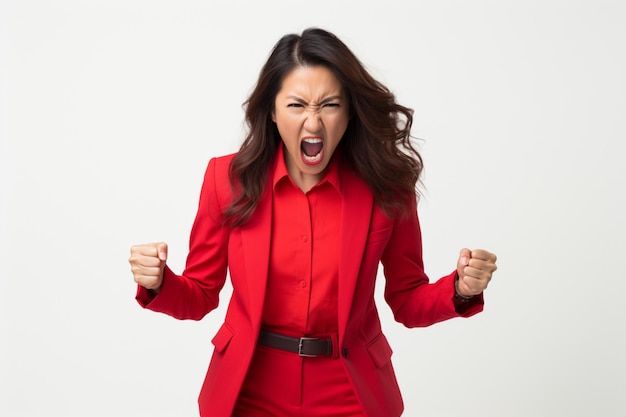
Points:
[303,346]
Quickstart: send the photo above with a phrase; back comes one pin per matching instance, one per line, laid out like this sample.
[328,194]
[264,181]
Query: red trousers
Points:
[284,384]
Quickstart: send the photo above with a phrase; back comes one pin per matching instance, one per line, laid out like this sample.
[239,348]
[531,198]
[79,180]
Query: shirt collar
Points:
[332,175]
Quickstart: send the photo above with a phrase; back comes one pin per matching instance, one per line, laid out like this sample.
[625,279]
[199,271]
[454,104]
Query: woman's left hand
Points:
[475,268]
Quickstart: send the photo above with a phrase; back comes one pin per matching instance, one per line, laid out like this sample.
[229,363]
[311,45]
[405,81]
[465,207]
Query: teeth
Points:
[312,158]
[310,146]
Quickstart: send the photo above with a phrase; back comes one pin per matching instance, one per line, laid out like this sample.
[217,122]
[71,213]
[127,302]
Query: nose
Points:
[313,122]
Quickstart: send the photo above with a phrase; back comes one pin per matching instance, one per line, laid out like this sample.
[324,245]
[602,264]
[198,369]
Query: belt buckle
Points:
[301,345]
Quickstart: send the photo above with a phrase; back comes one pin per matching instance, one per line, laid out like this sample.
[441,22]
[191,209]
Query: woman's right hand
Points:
[147,263]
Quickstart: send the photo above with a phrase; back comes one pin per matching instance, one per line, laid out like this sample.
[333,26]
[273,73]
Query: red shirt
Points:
[301,296]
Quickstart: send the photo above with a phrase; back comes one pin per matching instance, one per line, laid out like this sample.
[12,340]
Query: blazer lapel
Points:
[356,214]
[256,239]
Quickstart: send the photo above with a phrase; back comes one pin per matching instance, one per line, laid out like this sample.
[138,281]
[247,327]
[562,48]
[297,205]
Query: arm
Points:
[414,301]
[196,292]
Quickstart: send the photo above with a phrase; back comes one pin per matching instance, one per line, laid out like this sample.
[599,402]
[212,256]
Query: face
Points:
[311,113]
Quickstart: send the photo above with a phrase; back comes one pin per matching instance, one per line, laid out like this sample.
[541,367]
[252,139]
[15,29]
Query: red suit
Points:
[367,238]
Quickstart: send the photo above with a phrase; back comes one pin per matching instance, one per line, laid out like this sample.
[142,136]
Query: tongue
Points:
[312,149]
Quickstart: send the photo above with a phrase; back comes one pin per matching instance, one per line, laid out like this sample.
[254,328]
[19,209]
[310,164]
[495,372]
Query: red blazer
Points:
[367,238]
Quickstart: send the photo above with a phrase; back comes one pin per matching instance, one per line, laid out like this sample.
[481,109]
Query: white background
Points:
[111,110]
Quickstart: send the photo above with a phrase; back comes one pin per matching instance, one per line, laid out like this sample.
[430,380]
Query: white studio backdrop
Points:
[111,110]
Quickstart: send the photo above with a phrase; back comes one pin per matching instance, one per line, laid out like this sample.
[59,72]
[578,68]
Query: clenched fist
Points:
[147,263]
[475,268]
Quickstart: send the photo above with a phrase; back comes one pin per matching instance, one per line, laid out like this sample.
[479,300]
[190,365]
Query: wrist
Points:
[457,294]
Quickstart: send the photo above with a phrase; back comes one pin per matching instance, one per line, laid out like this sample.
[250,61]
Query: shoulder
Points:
[216,185]
[219,168]
[221,164]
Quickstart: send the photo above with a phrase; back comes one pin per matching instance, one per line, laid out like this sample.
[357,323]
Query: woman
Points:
[321,191]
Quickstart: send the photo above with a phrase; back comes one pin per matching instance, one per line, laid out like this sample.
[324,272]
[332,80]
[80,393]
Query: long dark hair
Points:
[376,145]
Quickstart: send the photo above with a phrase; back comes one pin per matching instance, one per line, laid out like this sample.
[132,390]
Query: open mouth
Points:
[312,150]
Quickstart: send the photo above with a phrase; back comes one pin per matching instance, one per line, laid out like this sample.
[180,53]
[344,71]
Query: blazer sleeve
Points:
[415,301]
[196,292]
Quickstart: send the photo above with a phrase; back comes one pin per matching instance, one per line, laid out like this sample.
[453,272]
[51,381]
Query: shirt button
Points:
[303,283]
[304,238]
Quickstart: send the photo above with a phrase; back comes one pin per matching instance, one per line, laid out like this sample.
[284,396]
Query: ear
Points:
[274,115]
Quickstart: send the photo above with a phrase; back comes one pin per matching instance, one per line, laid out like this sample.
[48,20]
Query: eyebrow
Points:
[324,101]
